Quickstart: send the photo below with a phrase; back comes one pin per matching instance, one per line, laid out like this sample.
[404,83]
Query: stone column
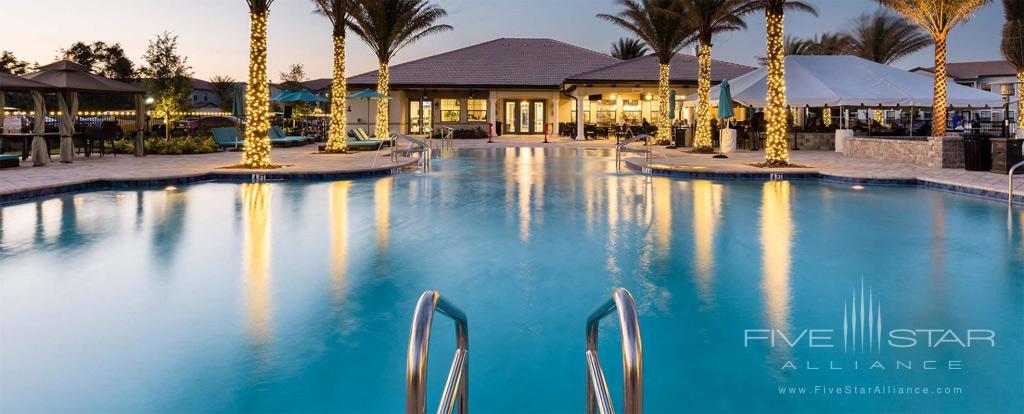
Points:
[579,114]
[492,113]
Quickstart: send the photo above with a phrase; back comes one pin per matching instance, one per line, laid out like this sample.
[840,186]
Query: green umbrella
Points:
[238,102]
[725,101]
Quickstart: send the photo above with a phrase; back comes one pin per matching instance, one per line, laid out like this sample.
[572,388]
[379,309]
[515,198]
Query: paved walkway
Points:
[306,160]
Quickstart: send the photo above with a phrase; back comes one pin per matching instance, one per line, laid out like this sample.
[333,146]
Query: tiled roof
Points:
[506,62]
[975,70]
[683,69]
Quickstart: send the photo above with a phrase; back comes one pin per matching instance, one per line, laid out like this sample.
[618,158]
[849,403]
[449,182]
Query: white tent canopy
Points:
[817,81]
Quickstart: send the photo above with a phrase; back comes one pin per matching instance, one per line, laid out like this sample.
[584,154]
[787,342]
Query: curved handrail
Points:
[621,147]
[1009,198]
[632,357]
[417,145]
[457,385]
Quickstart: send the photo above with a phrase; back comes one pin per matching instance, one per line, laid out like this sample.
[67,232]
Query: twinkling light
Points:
[664,125]
[256,153]
[938,18]
[383,129]
[879,115]
[826,115]
[336,135]
[776,151]
[702,141]
[1020,101]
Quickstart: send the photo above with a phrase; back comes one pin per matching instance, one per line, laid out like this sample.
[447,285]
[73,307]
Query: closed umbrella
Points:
[725,110]
[238,102]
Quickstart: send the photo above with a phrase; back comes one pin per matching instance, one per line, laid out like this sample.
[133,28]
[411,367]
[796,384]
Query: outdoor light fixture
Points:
[826,115]
[879,115]
[383,119]
[336,134]
[857,187]
[664,125]
[150,100]
[776,149]
[1006,90]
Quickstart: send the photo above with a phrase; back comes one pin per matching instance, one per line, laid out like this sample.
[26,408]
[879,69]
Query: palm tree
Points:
[1013,49]
[659,23]
[709,18]
[256,152]
[339,13]
[829,44]
[937,18]
[884,37]
[792,46]
[387,26]
[627,48]
[223,87]
[776,149]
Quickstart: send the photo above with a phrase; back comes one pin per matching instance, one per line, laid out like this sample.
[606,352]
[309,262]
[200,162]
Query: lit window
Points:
[476,110]
[605,112]
[631,111]
[450,110]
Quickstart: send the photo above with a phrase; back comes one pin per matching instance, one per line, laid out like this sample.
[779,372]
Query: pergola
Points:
[69,79]
[13,83]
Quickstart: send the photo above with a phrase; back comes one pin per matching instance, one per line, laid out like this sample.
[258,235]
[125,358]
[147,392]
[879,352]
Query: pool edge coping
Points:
[813,174]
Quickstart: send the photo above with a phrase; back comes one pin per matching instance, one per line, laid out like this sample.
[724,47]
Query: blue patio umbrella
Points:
[297,96]
[368,94]
[725,110]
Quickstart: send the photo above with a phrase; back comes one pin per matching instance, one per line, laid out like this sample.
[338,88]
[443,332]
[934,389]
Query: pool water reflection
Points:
[297,297]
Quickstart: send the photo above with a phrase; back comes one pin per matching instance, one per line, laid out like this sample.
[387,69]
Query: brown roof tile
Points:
[683,69]
[506,62]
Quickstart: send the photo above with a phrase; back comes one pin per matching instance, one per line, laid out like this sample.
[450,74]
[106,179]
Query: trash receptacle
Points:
[497,128]
[977,152]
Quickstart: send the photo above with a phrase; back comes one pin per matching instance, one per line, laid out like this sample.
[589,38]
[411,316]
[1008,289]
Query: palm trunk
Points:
[664,125]
[939,98]
[336,136]
[383,129]
[167,125]
[256,153]
[702,142]
[776,149]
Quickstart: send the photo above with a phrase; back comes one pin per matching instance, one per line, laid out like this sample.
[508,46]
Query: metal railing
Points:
[416,145]
[456,387]
[623,147]
[632,357]
[447,138]
[1009,197]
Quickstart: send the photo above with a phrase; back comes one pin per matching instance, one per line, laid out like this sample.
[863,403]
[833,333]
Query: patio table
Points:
[26,141]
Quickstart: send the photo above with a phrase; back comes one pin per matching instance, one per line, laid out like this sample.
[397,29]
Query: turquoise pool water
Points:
[297,297]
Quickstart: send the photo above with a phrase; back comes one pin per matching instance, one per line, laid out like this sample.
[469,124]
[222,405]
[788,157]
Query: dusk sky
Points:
[214,33]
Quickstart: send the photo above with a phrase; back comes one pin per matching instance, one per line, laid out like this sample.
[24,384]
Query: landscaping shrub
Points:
[464,133]
[173,146]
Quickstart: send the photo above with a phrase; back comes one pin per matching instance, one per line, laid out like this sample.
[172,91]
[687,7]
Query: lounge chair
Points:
[361,135]
[9,161]
[277,136]
[227,137]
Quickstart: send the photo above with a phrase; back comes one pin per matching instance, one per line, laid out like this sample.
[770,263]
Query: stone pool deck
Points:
[27,181]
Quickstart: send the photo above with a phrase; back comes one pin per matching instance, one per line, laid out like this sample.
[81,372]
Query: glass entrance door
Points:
[421,116]
[525,116]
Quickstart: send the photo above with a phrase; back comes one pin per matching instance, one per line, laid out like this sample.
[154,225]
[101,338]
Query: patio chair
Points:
[277,136]
[227,137]
[361,135]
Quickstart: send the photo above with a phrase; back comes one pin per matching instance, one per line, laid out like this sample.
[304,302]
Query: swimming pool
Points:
[297,296]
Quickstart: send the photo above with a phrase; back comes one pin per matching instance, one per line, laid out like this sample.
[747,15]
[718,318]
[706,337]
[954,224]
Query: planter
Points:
[841,136]
[1006,152]
[977,153]
[727,140]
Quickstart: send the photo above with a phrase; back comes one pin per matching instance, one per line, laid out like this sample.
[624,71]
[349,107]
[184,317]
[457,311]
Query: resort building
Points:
[526,86]
[984,75]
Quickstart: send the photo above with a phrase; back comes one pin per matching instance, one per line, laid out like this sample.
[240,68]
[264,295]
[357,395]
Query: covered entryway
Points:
[526,116]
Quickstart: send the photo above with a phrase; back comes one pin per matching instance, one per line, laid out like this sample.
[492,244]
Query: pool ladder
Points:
[1009,195]
[624,147]
[456,387]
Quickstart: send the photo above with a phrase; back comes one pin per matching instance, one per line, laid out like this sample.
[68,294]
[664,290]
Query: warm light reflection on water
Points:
[338,211]
[707,208]
[256,270]
[382,204]
[661,188]
[776,255]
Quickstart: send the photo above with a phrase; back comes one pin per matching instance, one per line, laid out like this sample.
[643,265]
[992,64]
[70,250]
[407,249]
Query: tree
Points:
[829,44]
[10,64]
[1013,49]
[660,25]
[387,26]
[292,78]
[101,58]
[256,152]
[885,38]
[937,18]
[224,88]
[776,150]
[627,48]
[167,78]
[709,18]
[339,14]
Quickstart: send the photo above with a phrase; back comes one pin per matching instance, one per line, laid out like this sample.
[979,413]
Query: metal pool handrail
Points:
[420,146]
[632,357]
[1009,198]
[621,147]
[456,387]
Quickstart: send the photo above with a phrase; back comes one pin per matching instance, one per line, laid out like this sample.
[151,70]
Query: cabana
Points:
[40,155]
[70,79]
